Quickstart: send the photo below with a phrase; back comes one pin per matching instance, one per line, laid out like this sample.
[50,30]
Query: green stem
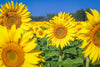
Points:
[60,56]
[87,62]
[47,44]
[48,64]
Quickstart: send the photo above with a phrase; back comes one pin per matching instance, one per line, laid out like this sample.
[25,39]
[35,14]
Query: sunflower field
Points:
[60,42]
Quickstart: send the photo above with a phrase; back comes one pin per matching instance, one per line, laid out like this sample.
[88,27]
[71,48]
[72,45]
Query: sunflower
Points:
[61,30]
[17,50]
[90,34]
[14,14]
[40,33]
[43,24]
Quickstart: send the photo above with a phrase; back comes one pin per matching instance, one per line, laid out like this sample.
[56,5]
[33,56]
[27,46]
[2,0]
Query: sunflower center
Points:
[97,38]
[12,18]
[60,31]
[13,56]
[95,35]
[40,33]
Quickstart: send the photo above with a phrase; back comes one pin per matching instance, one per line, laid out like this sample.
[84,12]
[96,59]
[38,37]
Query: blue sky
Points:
[43,7]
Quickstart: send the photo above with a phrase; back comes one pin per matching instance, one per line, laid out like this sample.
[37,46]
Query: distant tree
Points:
[43,18]
[49,16]
[39,18]
[79,15]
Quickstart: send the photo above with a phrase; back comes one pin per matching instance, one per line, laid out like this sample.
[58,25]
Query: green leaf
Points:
[71,51]
[51,54]
[71,62]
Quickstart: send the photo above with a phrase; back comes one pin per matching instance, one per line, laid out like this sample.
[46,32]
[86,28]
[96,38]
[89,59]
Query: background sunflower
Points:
[14,14]
[60,30]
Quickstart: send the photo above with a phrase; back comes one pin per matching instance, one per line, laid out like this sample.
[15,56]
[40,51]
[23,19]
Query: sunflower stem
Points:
[87,62]
[48,64]
[60,56]
[47,45]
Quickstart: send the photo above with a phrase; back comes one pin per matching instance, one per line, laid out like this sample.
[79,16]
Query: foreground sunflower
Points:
[61,30]
[90,34]
[17,50]
[14,14]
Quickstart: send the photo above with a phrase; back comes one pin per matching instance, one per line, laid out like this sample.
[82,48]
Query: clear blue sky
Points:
[43,7]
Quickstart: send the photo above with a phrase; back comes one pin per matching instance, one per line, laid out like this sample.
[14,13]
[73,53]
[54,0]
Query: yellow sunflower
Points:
[90,34]
[17,50]
[40,33]
[41,23]
[14,14]
[61,30]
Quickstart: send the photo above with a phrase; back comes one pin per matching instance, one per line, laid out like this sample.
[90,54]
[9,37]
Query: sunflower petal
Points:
[26,64]
[30,45]
[95,57]
[29,57]
[12,5]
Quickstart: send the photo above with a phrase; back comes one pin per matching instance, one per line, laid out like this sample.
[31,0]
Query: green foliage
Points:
[71,55]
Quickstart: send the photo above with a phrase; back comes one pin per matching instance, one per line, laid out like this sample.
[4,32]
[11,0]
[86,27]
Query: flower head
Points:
[90,34]
[61,30]
[17,50]
[14,14]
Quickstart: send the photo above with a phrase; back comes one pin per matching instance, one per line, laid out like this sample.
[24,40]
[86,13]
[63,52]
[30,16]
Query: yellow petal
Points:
[15,6]
[4,10]
[25,38]
[26,14]
[21,7]
[3,34]
[87,53]
[32,59]
[17,35]
[3,65]
[99,52]
[85,43]
[60,14]
[12,32]
[92,53]
[26,19]
[95,57]
[36,52]
[24,10]
[30,45]
[95,13]
[1,11]
[18,7]
[26,64]
[90,17]
[57,43]
[9,5]
[88,48]
[1,62]
[24,26]
[12,5]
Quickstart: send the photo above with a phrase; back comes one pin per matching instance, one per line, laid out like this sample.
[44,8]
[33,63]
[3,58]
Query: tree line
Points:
[79,15]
